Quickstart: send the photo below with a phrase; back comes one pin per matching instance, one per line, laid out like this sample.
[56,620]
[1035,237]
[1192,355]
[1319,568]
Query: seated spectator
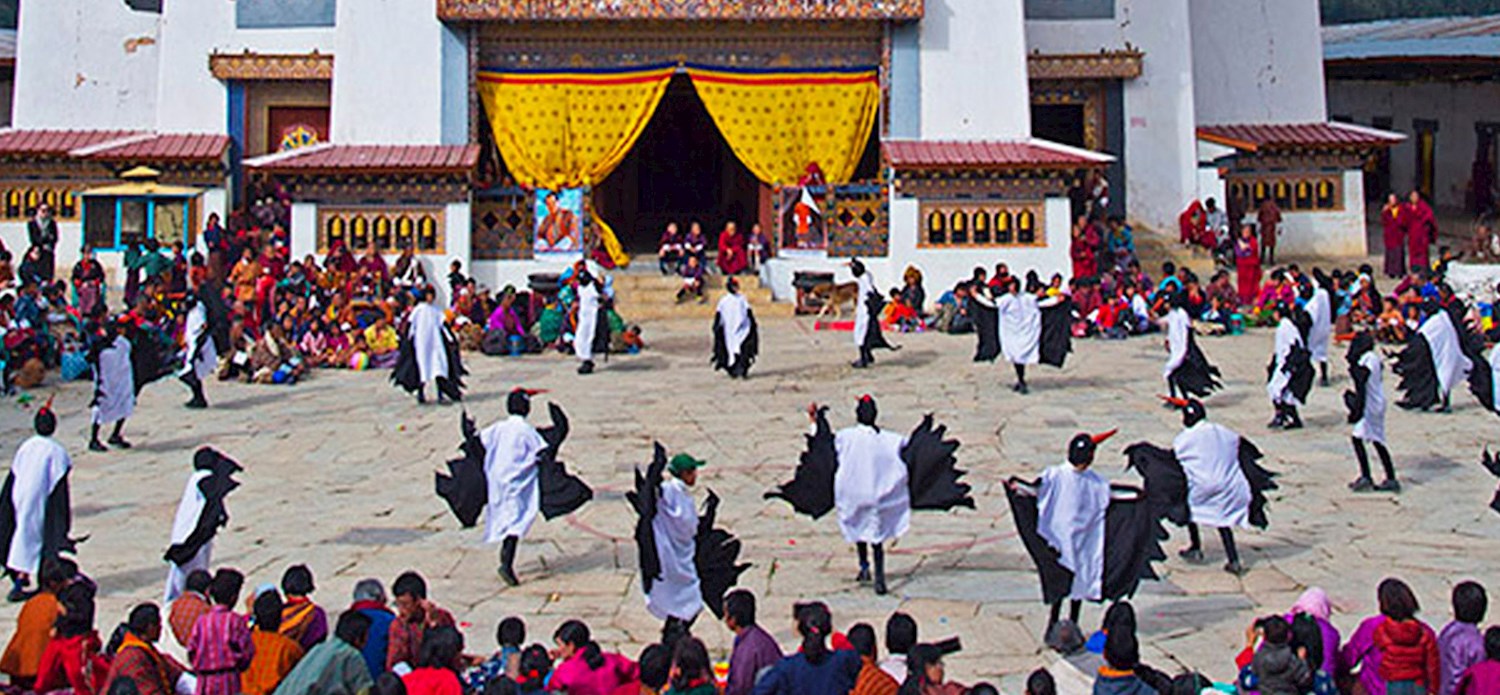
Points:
[1277,669]
[692,673]
[510,635]
[1118,676]
[585,669]
[137,661]
[369,600]
[925,674]
[1314,604]
[383,343]
[871,680]
[692,281]
[436,671]
[814,669]
[1460,645]
[275,653]
[34,623]
[1040,682]
[415,615]
[72,659]
[1483,678]
[900,637]
[301,619]
[1390,325]
[190,606]
[335,665]
[1364,656]
[221,647]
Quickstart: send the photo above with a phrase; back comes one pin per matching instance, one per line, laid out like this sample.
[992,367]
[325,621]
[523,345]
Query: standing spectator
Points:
[221,647]
[754,649]
[1393,234]
[1082,249]
[275,653]
[88,283]
[1421,230]
[1459,644]
[415,615]
[1247,265]
[41,230]
[1268,218]
[369,599]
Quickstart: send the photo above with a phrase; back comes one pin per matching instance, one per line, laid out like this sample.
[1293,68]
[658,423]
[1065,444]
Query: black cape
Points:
[152,356]
[1300,368]
[1195,375]
[1354,400]
[1057,333]
[986,329]
[466,488]
[873,338]
[1491,464]
[933,478]
[749,349]
[1132,541]
[716,552]
[214,516]
[1482,384]
[1167,483]
[56,525]
[1418,381]
[408,375]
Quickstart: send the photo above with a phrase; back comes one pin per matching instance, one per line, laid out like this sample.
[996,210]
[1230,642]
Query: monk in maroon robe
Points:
[1421,228]
[732,258]
[1393,233]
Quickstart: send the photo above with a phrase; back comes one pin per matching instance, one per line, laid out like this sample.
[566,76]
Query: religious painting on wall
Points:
[292,128]
[803,230]
[559,221]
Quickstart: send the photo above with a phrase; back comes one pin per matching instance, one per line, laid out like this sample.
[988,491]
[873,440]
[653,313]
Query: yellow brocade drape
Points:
[779,121]
[564,129]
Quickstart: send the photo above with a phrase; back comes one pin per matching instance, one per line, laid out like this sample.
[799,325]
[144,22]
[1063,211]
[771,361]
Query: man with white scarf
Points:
[38,513]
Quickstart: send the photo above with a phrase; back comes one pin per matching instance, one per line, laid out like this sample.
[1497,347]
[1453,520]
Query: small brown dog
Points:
[835,296]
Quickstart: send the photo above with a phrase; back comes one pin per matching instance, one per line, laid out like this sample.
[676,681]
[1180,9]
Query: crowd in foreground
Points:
[277,639]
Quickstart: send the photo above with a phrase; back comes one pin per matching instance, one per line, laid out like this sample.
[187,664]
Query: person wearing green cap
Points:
[677,595]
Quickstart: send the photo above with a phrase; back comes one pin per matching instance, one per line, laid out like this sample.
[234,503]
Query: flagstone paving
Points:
[339,475]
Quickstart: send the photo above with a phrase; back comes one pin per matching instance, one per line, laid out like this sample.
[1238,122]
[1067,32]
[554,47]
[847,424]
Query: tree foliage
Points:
[1345,11]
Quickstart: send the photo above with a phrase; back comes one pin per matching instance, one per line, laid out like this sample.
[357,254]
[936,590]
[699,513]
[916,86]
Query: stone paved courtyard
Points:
[339,474]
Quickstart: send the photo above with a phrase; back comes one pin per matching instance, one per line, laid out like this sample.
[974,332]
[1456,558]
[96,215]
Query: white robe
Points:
[425,328]
[588,320]
[676,594]
[201,362]
[510,449]
[864,287]
[1321,331]
[1495,377]
[1020,328]
[1218,493]
[1371,425]
[734,316]
[114,383]
[1179,327]
[40,463]
[188,511]
[1071,507]
[1447,357]
[870,486]
[1287,337]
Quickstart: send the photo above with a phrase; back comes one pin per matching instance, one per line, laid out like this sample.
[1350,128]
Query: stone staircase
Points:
[650,296]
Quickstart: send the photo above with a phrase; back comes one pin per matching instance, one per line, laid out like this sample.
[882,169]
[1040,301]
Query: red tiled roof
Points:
[1274,136]
[55,142]
[338,158]
[159,146]
[991,154]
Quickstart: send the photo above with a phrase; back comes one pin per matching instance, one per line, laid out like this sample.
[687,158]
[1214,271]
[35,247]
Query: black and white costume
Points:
[736,336]
[1187,371]
[429,353]
[868,305]
[1210,476]
[1024,328]
[1366,404]
[200,515]
[206,336]
[35,505]
[1090,540]
[1432,363]
[1289,375]
[592,335]
[874,478]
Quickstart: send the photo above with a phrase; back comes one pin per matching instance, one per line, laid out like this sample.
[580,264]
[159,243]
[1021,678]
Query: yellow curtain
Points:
[779,121]
[570,128]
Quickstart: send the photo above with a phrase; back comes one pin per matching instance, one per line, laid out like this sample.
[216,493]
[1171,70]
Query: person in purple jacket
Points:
[755,650]
[1314,603]
[1459,644]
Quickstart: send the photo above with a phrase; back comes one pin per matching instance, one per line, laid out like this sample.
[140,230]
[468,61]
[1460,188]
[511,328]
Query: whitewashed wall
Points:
[1323,234]
[941,268]
[1455,106]
[388,73]
[1159,121]
[89,64]
[190,32]
[973,70]
[1257,61]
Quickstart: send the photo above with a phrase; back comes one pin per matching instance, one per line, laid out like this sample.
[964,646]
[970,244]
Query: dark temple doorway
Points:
[680,170]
